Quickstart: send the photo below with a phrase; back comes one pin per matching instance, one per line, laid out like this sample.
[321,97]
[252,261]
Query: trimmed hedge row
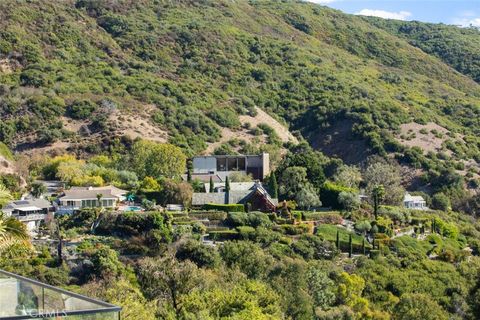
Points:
[210,215]
[225,207]
[223,235]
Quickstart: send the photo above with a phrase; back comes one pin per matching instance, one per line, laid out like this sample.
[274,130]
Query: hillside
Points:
[458,47]
[82,74]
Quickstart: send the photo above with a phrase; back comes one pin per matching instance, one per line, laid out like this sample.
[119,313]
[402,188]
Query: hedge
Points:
[324,217]
[210,215]
[292,229]
[225,207]
[223,235]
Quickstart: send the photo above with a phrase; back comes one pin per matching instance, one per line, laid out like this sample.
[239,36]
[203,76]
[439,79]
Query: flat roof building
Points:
[257,166]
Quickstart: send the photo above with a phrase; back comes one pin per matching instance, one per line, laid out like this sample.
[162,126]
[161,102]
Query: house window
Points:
[241,164]
[70,203]
[221,164]
[232,164]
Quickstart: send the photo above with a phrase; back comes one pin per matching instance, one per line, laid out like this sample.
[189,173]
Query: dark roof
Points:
[231,197]
[40,203]
[204,177]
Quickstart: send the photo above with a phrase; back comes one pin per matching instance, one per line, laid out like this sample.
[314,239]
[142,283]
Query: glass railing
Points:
[23,298]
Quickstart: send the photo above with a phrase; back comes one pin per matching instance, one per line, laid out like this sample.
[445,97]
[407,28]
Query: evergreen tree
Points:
[227,184]
[210,189]
[338,240]
[350,246]
[273,186]
[363,246]
[378,194]
[189,175]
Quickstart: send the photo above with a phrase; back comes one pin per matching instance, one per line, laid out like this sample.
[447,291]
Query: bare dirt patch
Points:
[137,125]
[262,117]
[428,137]
[6,166]
[7,65]
[243,134]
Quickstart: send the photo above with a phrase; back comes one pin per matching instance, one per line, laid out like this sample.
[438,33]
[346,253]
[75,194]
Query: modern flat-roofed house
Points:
[78,198]
[23,298]
[29,211]
[252,194]
[414,202]
[258,166]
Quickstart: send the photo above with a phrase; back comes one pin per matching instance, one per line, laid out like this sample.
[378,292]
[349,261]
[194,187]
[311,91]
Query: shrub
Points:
[81,109]
[223,235]
[292,230]
[440,202]
[330,192]
[198,253]
[224,207]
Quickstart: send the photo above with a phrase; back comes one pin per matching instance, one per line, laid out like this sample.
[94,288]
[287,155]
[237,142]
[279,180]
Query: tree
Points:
[121,292]
[378,193]
[337,242]
[273,185]
[177,193]
[167,279]
[210,185]
[157,160]
[417,306]
[227,184]
[441,202]
[307,197]
[294,185]
[14,236]
[348,201]
[38,189]
[149,184]
[350,246]
[386,175]
[348,176]
[99,200]
[5,196]
[320,287]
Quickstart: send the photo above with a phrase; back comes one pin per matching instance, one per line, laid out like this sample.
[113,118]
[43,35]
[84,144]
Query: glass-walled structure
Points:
[23,298]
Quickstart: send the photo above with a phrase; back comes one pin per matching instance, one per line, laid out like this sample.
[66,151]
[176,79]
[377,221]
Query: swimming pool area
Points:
[133,208]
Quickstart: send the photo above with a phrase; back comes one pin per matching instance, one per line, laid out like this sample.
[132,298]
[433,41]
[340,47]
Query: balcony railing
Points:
[23,298]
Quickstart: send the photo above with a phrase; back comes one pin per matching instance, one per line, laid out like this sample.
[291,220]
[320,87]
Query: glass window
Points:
[221,164]
[232,164]
[241,164]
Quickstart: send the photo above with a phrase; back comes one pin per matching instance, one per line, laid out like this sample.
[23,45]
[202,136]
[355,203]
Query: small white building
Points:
[414,202]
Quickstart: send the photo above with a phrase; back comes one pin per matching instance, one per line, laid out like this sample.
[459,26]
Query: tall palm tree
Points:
[5,196]
[13,236]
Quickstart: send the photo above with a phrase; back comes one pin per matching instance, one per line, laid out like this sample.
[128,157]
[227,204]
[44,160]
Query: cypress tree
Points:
[189,175]
[210,189]
[338,240]
[273,186]
[373,242]
[350,249]
[227,184]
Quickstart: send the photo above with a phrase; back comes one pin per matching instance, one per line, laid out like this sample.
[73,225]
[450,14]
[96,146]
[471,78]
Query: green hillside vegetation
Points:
[201,64]
[458,47]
